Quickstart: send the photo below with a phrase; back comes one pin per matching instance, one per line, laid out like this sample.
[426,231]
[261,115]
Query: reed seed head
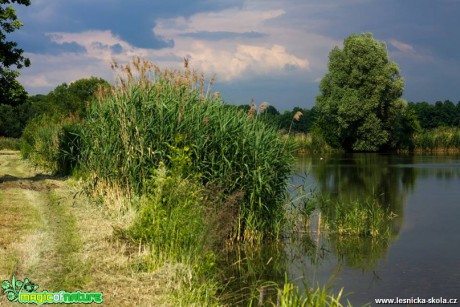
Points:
[297,116]
[263,106]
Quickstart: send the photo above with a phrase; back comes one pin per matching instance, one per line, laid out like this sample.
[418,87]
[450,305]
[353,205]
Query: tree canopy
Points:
[72,98]
[359,108]
[11,91]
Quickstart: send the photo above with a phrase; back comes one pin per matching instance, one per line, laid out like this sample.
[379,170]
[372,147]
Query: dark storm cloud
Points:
[132,21]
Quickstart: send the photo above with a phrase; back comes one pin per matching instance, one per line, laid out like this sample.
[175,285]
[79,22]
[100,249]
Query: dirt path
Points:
[52,234]
[23,221]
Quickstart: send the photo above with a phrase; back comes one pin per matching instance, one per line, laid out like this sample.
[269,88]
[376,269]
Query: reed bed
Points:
[152,113]
[359,218]
[438,141]
[290,295]
[306,143]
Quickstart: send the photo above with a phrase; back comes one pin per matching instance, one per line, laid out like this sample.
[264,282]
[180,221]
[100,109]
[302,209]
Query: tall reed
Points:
[438,140]
[135,126]
[311,142]
[358,218]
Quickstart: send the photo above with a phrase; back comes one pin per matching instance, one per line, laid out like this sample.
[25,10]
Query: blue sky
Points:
[274,51]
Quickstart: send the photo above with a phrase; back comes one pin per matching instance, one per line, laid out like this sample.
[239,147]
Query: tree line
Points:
[72,98]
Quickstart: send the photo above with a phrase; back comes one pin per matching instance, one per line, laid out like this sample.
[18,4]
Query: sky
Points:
[270,50]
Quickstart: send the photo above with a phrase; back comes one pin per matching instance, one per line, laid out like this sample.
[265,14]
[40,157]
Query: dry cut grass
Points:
[57,238]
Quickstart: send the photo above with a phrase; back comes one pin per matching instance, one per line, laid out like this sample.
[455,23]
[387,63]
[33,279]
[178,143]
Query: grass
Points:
[359,218]
[9,143]
[58,238]
[52,143]
[172,173]
[290,295]
[438,140]
[20,219]
[311,142]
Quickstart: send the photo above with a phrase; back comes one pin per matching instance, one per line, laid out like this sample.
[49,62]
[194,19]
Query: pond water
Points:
[418,258]
[421,257]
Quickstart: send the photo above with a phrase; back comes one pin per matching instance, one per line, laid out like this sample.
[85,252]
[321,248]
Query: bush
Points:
[52,143]
[171,216]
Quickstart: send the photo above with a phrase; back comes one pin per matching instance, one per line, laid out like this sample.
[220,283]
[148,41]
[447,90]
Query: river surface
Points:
[421,257]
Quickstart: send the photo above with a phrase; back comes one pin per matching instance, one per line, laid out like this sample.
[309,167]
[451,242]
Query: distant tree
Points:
[360,106]
[445,112]
[425,114]
[271,116]
[303,125]
[244,107]
[436,115]
[73,98]
[457,120]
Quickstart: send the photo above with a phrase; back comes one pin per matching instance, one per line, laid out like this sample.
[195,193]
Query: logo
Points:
[24,292]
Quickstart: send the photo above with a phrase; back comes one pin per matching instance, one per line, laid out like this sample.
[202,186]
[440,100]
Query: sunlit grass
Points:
[358,218]
[9,143]
[307,143]
[438,140]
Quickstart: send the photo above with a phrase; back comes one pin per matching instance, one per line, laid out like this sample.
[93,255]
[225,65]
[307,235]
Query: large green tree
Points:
[360,106]
[11,91]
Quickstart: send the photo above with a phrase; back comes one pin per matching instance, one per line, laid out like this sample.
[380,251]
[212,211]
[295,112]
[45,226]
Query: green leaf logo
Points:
[14,287]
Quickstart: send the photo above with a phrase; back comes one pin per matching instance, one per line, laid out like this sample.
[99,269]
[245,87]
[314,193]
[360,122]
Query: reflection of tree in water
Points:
[441,166]
[349,178]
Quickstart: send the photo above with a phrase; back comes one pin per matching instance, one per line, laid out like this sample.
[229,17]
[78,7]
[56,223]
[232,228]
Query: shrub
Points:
[52,143]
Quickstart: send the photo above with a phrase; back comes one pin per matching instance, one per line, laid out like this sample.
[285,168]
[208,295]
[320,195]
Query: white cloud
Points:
[232,20]
[403,47]
[233,57]
[281,48]
[406,52]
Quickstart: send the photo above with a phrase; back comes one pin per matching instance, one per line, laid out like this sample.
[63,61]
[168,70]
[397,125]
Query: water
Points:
[421,258]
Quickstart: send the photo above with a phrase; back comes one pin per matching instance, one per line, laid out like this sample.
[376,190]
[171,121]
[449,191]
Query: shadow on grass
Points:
[36,183]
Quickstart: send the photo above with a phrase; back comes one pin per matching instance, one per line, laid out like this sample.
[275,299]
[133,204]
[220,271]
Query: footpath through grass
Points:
[52,235]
